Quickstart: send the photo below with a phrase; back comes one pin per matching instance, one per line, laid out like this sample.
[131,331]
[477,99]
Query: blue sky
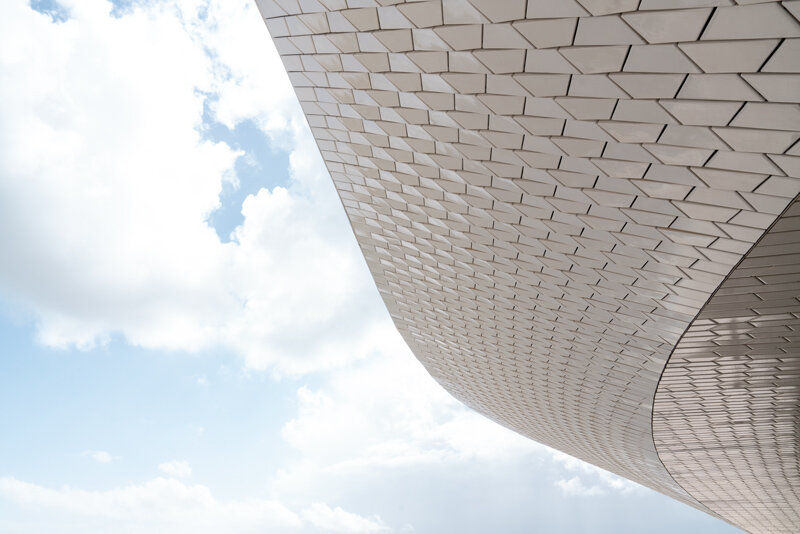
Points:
[191,341]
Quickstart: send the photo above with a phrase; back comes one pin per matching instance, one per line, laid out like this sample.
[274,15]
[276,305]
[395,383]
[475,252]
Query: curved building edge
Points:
[548,192]
[726,417]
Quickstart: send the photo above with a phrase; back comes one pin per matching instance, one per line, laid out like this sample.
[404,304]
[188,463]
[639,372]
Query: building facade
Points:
[581,215]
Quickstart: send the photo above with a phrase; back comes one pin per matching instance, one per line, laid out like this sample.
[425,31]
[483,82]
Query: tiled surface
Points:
[548,191]
[726,418]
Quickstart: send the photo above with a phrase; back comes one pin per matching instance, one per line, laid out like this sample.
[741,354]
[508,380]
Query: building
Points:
[583,218]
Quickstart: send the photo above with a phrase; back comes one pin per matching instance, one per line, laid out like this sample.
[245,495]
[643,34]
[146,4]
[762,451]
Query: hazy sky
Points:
[190,339]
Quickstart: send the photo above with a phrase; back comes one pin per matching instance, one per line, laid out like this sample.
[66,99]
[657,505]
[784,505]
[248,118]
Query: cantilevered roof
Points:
[553,197]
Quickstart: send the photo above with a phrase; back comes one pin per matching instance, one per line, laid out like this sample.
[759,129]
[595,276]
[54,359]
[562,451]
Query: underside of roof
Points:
[580,216]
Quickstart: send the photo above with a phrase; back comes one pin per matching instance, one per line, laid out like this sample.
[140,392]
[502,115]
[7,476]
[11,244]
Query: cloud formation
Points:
[101,457]
[108,182]
[389,412]
[170,506]
[175,468]
[576,487]
[324,517]
[589,479]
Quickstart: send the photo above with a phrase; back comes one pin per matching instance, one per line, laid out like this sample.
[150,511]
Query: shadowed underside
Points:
[548,193]
[726,419]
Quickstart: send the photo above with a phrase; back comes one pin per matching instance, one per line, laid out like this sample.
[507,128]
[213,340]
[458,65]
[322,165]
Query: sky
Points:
[190,340]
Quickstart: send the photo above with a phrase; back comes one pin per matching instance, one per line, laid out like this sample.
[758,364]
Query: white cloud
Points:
[180,469]
[602,481]
[390,412]
[108,183]
[158,505]
[324,517]
[101,457]
[170,506]
[105,176]
[575,487]
[387,414]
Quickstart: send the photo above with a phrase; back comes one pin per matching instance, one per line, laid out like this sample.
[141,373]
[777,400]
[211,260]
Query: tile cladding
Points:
[548,192]
[726,418]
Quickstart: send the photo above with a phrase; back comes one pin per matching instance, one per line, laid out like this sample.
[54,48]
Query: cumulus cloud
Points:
[170,506]
[387,414]
[158,505]
[107,181]
[180,469]
[324,517]
[589,479]
[575,486]
[101,457]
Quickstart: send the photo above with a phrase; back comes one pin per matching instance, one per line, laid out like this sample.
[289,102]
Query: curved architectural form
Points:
[555,196]
[726,419]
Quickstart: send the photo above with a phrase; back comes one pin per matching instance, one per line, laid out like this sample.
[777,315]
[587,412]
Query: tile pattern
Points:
[548,191]
[726,418]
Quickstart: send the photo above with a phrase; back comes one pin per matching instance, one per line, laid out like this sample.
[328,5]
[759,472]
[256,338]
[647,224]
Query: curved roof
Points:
[725,419]
[548,193]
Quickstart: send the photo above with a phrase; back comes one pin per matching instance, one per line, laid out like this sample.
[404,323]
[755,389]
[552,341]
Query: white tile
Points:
[741,56]
[668,26]
[610,30]
[658,58]
[757,21]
